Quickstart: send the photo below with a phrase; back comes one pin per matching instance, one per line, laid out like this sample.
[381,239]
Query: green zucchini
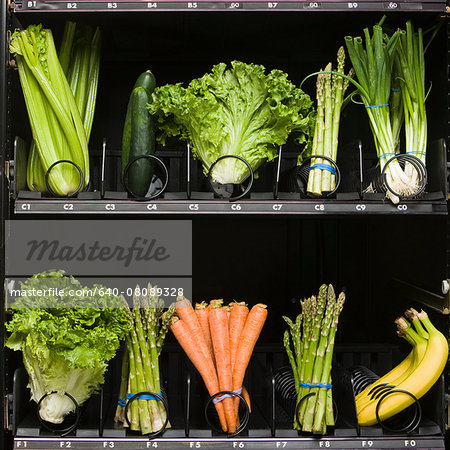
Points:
[139,136]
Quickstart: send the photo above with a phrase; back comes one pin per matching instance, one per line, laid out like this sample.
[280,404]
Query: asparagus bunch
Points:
[330,90]
[140,365]
[310,355]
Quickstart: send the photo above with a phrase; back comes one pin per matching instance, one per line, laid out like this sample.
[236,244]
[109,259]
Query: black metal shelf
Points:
[207,5]
[223,443]
[196,207]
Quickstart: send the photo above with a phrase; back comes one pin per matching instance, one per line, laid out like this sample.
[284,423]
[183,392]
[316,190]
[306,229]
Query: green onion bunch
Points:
[410,67]
[390,72]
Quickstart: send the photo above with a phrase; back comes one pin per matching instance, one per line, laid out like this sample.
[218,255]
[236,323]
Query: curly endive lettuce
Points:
[238,111]
[66,340]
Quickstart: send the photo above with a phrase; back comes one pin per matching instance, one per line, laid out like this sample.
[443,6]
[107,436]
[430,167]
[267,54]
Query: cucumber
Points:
[139,136]
[147,81]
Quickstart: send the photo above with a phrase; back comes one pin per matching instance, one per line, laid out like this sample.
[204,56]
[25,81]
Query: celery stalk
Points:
[68,103]
[35,173]
[73,111]
[66,45]
[74,70]
[42,78]
[84,48]
[40,124]
[94,69]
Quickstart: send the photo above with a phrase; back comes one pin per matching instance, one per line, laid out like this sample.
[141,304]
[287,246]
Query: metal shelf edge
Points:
[47,443]
[193,207]
[26,6]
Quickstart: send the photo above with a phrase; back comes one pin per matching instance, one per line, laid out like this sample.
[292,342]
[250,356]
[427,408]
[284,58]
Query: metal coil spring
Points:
[378,180]
[405,421]
[285,390]
[296,179]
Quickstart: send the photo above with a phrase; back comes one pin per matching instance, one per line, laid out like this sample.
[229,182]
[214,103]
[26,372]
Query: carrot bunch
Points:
[219,340]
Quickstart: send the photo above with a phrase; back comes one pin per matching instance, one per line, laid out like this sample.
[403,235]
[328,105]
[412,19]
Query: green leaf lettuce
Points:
[238,111]
[66,342]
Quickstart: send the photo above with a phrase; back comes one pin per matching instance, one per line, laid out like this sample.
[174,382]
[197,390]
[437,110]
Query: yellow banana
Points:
[388,378]
[402,370]
[417,383]
[412,315]
[418,352]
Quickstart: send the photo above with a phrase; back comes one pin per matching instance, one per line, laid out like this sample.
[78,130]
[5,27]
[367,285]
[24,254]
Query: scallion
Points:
[373,67]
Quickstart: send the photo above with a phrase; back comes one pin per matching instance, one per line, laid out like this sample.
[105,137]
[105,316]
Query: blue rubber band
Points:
[396,90]
[385,155]
[323,167]
[121,402]
[319,385]
[417,152]
[224,396]
[377,106]
[146,396]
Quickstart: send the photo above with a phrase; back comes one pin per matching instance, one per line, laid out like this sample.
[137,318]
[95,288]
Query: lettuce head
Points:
[239,111]
[67,334]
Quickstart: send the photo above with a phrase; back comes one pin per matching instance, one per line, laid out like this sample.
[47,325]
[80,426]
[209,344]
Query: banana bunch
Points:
[416,373]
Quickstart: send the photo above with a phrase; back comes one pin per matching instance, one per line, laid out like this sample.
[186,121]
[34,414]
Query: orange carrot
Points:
[202,316]
[228,310]
[221,343]
[189,343]
[246,398]
[238,316]
[253,326]
[186,313]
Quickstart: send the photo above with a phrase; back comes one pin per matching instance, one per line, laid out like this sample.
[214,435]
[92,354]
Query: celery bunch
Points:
[60,99]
